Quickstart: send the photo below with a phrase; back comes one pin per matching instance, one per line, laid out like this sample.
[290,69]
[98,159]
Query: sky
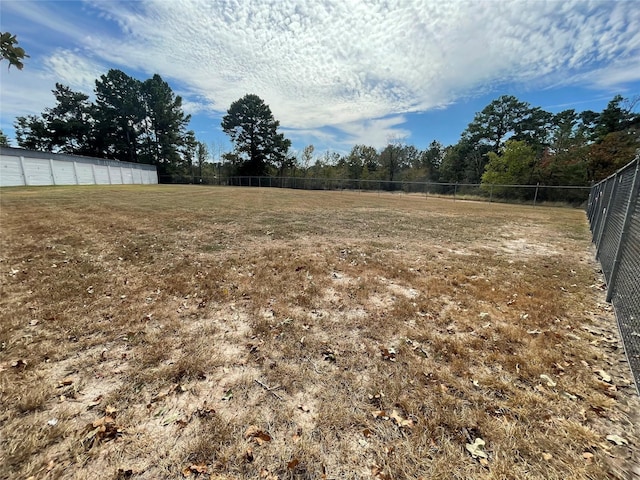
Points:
[335,72]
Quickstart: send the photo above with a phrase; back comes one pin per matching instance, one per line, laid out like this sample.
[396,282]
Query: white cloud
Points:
[73,69]
[359,66]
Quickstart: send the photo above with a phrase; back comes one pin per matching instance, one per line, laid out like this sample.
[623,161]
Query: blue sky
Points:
[335,72]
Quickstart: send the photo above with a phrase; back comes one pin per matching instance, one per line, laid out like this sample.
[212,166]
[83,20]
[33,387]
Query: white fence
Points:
[27,168]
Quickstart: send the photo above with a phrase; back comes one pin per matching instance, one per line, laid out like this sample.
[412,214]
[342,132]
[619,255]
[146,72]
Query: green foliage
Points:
[254,132]
[503,117]
[10,51]
[4,141]
[119,112]
[515,165]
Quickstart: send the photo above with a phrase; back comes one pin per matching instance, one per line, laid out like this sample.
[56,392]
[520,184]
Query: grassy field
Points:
[171,332]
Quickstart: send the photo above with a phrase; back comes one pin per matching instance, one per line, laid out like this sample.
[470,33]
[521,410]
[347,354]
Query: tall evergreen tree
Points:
[119,114]
[163,126]
[254,132]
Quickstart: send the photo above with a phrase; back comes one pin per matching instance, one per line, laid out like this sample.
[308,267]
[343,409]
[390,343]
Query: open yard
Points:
[169,332]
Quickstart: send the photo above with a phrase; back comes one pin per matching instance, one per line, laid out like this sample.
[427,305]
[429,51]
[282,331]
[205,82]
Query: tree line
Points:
[508,142]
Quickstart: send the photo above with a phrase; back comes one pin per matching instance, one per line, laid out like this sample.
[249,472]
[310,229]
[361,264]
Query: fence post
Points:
[24,171]
[607,214]
[455,190]
[535,196]
[633,198]
[53,175]
[75,172]
[490,192]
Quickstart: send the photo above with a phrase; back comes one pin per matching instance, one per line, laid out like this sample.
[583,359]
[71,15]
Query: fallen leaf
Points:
[617,439]
[248,455]
[380,414]
[95,402]
[389,354]
[65,382]
[293,464]
[198,468]
[588,457]
[604,376]
[547,378]
[367,432]
[19,363]
[304,408]
[400,421]
[476,448]
[547,456]
[258,435]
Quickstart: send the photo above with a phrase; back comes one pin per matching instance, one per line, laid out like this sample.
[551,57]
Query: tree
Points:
[431,159]
[10,51]
[4,141]
[614,151]
[307,157]
[70,123]
[515,165]
[498,120]
[119,114]
[202,156]
[32,133]
[162,131]
[464,162]
[254,132]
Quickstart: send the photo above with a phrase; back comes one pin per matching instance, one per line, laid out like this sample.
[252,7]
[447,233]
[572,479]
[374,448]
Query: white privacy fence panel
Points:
[37,171]
[115,175]
[63,172]
[28,168]
[84,172]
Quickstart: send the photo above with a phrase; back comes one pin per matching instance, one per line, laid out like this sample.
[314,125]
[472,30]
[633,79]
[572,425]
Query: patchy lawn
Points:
[164,332]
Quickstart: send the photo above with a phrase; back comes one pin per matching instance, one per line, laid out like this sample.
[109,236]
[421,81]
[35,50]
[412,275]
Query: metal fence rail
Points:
[614,215]
[532,194]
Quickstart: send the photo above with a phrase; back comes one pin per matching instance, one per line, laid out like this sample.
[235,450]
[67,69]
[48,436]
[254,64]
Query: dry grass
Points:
[161,332]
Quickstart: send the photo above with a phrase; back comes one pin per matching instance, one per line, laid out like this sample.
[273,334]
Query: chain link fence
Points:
[614,215]
[526,194]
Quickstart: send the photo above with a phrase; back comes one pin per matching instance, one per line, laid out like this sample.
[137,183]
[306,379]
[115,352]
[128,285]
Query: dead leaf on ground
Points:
[304,408]
[187,471]
[19,363]
[617,439]
[248,455]
[401,421]
[377,472]
[547,456]
[476,449]
[293,464]
[388,353]
[588,457]
[267,475]
[102,429]
[547,379]
[604,376]
[258,435]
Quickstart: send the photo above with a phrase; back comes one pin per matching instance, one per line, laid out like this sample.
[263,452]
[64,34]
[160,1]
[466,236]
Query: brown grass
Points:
[162,332]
